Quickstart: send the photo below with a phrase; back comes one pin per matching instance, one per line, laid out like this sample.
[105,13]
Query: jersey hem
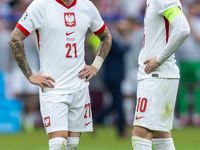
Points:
[168,73]
[139,79]
[63,91]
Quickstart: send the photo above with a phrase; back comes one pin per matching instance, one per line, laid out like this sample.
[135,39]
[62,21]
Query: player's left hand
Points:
[151,64]
[87,72]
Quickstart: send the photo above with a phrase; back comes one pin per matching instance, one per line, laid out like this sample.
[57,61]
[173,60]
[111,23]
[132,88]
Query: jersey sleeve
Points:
[32,18]
[97,24]
[163,5]
[181,30]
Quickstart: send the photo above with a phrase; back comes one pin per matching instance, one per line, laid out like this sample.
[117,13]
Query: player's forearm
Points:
[180,32]
[105,45]
[104,48]
[17,46]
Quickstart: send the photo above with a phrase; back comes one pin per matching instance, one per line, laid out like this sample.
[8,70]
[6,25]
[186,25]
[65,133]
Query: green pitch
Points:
[103,138]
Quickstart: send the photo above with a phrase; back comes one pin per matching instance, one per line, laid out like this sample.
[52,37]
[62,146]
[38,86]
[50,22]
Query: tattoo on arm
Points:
[17,46]
[105,45]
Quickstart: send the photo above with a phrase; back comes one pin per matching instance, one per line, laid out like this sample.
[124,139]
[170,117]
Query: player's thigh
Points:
[155,104]
[54,110]
[142,132]
[80,114]
[63,134]
[157,134]
[74,134]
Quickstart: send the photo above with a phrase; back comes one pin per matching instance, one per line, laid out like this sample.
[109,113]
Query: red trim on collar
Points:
[68,7]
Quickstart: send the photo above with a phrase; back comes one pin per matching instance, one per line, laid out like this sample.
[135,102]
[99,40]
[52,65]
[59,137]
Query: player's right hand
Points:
[42,81]
[151,64]
[87,72]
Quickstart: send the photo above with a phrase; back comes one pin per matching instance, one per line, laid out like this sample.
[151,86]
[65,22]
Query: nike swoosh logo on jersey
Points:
[86,124]
[138,117]
[69,33]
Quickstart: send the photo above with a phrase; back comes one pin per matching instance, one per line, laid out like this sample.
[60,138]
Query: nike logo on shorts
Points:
[136,118]
[69,33]
[86,124]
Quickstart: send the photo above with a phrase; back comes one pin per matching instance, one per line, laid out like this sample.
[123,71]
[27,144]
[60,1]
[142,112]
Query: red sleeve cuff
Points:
[26,32]
[100,30]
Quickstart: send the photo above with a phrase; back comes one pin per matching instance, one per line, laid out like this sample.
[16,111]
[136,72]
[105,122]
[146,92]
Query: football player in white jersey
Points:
[60,27]
[165,29]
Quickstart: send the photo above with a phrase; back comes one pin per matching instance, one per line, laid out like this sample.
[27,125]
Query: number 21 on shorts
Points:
[87,111]
[141,105]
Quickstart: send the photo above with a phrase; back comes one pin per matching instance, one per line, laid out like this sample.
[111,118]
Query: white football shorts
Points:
[155,104]
[70,112]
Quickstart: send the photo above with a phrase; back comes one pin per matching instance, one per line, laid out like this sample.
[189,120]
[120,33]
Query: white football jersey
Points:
[60,32]
[157,31]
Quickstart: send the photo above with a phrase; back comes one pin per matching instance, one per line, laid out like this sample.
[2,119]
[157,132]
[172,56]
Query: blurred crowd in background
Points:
[113,90]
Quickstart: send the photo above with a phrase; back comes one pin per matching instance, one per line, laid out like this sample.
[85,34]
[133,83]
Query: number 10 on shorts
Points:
[141,105]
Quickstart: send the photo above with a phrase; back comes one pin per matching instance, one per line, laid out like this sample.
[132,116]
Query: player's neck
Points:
[67,2]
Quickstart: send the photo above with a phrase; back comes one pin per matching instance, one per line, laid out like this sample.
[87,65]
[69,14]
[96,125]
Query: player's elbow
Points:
[10,41]
[181,26]
[13,41]
[110,39]
[185,32]
[185,28]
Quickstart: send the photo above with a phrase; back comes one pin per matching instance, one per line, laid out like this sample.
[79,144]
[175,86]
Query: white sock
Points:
[57,143]
[139,143]
[72,143]
[163,144]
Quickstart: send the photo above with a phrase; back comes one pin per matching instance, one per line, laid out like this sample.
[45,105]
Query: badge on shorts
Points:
[47,122]
[70,20]
[155,75]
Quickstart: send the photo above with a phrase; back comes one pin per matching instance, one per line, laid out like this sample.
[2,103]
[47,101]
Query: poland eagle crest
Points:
[47,122]
[70,20]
